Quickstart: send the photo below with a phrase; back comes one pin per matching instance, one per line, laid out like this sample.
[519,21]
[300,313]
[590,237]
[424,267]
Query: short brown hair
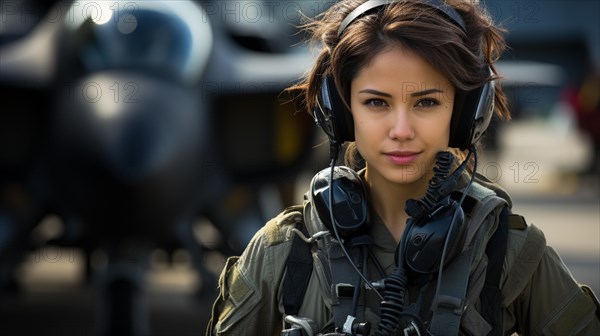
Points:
[460,56]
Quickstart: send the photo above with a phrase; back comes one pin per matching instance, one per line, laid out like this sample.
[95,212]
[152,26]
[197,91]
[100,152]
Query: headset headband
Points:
[364,8]
[472,112]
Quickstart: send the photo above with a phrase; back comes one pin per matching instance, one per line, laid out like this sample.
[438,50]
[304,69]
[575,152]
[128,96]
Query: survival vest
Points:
[483,237]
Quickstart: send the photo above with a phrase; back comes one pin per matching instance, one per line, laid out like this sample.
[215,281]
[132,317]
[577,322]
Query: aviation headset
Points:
[472,111]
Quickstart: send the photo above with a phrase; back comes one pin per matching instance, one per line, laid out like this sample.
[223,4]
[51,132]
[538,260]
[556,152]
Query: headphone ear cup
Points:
[350,206]
[471,116]
[331,114]
[425,240]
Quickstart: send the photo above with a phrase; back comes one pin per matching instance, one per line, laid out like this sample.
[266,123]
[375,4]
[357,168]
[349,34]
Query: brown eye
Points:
[375,102]
[427,102]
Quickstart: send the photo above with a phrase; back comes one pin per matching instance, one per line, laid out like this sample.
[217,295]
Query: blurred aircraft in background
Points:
[129,120]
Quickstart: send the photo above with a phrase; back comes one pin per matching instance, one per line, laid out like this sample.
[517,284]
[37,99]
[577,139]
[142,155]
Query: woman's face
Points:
[402,109]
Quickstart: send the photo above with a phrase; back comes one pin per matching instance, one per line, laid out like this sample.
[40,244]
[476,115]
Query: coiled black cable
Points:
[393,305]
[436,189]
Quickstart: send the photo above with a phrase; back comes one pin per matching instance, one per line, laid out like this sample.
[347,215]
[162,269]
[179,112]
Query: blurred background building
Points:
[143,142]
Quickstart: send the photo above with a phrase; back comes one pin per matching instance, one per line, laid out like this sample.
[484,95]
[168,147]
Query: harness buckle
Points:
[452,303]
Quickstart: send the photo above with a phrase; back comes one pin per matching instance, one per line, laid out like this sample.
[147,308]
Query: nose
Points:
[401,128]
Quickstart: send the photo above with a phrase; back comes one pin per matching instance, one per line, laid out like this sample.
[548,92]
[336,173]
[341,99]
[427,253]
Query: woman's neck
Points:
[388,200]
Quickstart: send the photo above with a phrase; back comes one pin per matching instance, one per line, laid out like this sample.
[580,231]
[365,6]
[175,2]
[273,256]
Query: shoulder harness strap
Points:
[455,279]
[453,287]
[297,275]
[450,301]
[495,250]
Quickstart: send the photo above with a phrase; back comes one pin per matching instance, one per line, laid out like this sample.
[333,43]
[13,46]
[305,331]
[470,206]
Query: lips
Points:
[402,157]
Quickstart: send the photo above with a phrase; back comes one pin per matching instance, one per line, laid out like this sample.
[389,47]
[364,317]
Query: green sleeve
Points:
[550,301]
[248,286]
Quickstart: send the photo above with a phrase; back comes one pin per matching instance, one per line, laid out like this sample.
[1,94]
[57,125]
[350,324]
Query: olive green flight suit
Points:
[539,295]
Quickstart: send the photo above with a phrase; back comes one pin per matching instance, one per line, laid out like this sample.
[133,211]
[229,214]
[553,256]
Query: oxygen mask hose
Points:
[436,190]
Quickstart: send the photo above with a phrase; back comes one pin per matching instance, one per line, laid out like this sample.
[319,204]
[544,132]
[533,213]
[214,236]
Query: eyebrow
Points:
[414,94]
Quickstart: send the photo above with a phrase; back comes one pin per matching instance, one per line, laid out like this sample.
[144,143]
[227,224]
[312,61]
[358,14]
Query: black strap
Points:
[490,294]
[299,268]
[344,279]
[450,301]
